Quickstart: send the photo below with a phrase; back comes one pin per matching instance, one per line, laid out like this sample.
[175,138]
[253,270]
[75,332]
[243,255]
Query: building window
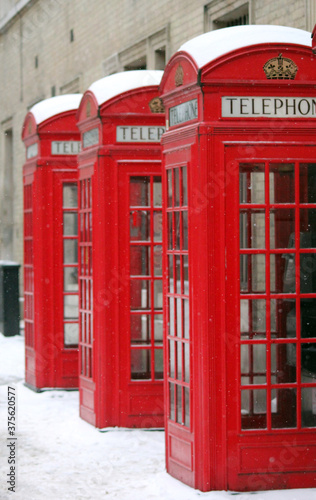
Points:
[140,63]
[225,14]
[72,87]
[72,36]
[151,52]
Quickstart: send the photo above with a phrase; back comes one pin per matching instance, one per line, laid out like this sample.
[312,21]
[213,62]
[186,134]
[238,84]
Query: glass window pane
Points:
[140,225]
[184,186]
[185,271]
[70,224]
[176,187]
[254,409]
[158,328]
[308,407]
[185,230]
[179,317]
[308,183]
[179,360]
[251,183]
[283,318]
[253,363]
[140,329]
[252,229]
[157,226]
[171,402]
[71,303]
[157,192]
[171,316]
[308,360]
[308,228]
[282,183]
[169,181]
[186,326]
[170,231]
[178,275]
[186,404]
[70,279]
[71,334]
[70,252]
[140,364]
[158,364]
[283,363]
[171,274]
[282,273]
[308,272]
[186,367]
[70,196]
[139,194]
[179,404]
[308,318]
[252,273]
[282,227]
[158,294]
[140,260]
[157,260]
[283,403]
[177,216]
[171,359]
[253,318]
[140,294]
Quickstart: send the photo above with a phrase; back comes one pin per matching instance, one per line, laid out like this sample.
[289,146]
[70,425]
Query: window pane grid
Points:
[177,310]
[277,259]
[70,264]
[85,279]
[145,277]
[28,266]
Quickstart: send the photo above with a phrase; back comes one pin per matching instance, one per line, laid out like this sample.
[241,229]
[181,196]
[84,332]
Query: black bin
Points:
[9,298]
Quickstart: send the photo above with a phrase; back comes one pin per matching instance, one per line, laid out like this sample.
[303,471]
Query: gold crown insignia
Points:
[179,76]
[280,68]
[156,105]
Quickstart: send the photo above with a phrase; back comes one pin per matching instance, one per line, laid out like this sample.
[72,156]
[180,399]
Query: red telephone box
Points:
[120,267]
[239,172]
[50,243]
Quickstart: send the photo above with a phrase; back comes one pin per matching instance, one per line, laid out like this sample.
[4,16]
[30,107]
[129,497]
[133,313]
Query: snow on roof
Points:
[55,105]
[209,46]
[113,85]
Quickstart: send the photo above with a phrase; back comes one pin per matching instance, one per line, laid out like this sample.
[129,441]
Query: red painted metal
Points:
[227,436]
[120,273]
[50,237]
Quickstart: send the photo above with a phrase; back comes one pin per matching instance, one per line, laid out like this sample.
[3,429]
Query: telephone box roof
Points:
[113,85]
[209,46]
[55,105]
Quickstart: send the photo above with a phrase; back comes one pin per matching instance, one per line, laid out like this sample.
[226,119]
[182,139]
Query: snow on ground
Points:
[61,457]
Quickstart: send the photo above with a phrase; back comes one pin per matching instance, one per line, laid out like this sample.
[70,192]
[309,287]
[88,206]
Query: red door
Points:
[271,347]
[140,291]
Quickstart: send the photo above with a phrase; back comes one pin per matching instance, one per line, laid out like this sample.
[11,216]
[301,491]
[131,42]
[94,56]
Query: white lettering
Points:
[32,151]
[139,133]
[65,147]
[273,107]
[183,112]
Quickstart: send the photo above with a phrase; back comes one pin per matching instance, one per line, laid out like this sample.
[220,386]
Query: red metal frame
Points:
[51,361]
[112,225]
[218,448]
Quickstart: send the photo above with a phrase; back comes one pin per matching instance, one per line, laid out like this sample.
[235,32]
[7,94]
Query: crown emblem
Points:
[179,76]
[88,108]
[280,68]
[156,105]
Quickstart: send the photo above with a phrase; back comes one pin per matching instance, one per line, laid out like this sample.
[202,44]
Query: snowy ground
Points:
[61,457]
